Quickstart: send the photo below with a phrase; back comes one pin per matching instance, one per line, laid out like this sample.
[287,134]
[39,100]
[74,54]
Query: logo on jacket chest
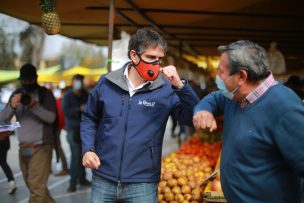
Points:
[146,103]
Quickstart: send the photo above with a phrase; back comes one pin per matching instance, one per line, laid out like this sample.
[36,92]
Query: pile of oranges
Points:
[183,172]
[206,151]
[181,179]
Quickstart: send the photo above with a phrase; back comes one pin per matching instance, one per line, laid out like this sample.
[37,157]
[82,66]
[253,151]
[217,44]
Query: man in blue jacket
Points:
[123,124]
[262,157]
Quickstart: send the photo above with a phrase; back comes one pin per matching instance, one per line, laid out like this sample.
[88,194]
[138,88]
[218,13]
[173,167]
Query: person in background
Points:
[262,157]
[124,121]
[73,103]
[294,83]
[4,147]
[61,125]
[35,109]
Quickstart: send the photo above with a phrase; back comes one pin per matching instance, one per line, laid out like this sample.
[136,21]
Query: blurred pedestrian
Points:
[4,147]
[61,126]
[35,108]
[294,83]
[73,102]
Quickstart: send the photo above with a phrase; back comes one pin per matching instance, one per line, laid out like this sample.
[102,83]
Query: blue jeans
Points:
[106,191]
[77,170]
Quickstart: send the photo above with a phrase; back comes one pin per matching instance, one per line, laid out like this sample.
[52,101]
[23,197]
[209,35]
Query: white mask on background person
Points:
[222,87]
[77,85]
[57,93]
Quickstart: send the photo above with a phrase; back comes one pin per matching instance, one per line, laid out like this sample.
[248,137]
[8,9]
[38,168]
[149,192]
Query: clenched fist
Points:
[204,120]
[91,160]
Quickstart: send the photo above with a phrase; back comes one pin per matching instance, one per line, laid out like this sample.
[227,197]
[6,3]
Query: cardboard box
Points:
[213,196]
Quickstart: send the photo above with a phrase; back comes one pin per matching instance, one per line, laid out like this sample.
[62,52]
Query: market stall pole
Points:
[110,34]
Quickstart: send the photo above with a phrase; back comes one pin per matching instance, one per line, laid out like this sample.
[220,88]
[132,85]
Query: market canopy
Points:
[67,75]
[54,75]
[194,27]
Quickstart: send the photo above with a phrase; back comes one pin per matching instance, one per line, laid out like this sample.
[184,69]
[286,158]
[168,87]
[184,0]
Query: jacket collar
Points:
[117,77]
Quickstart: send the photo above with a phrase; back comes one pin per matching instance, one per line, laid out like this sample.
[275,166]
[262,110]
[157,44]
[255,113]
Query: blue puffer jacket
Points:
[127,132]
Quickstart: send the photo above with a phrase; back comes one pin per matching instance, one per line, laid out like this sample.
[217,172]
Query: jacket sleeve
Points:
[47,112]
[90,119]
[213,103]
[184,101]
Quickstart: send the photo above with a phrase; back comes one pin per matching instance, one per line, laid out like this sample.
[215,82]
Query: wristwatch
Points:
[92,150]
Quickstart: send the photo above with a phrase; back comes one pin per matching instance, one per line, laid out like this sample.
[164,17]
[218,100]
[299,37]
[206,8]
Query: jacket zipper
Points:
[122,104]
[124,140]
[152,157]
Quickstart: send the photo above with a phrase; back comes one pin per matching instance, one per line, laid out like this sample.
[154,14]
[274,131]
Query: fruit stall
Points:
[187,175]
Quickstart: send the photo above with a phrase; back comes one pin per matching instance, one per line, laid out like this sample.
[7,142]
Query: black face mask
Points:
[30,87]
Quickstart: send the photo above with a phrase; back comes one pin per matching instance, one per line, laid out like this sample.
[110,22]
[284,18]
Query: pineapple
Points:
[50,19]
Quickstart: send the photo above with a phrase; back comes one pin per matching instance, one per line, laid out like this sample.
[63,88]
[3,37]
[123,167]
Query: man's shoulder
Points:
[44,89]
[281,98]
[281,92]
[68,92]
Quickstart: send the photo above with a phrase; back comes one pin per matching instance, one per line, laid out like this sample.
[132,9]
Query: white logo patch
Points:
[146,103]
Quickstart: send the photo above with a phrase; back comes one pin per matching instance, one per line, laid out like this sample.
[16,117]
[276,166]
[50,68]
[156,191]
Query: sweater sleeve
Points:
[289,137]
[213,103]
[46,115]
[7,113]
[47,111]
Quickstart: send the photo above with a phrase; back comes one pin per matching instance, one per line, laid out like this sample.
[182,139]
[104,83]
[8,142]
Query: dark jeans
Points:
[77,170]
[7,170]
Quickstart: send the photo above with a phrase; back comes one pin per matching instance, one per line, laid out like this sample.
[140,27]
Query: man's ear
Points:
[243,76]
[134,56]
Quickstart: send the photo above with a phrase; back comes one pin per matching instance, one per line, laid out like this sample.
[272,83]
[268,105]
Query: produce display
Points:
[204,149]
[184,171]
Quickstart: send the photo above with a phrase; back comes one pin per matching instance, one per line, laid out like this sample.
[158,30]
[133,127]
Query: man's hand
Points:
[91,160]
[32,103]
[5,134]
[16,100]
[204,120]
[171,74]
[82,107]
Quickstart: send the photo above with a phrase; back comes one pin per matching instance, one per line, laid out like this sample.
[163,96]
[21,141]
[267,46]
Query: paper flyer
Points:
[10,127]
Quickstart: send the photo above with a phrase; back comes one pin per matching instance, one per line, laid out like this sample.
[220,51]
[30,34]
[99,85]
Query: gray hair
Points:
[145,38]
[249,56]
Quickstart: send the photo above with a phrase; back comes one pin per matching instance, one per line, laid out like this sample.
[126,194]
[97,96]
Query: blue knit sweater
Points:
[263,146]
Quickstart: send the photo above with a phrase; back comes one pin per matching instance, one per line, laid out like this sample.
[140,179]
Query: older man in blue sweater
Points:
[263,140]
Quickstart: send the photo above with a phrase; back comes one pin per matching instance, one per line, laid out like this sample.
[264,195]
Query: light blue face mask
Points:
[222,87]
[77,85]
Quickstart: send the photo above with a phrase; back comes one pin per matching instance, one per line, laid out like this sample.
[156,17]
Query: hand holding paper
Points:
[7,130]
